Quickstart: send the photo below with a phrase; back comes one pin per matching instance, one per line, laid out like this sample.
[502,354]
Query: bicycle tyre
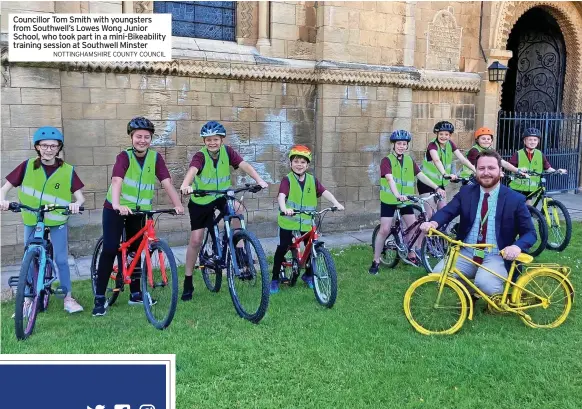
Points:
[148,294]
[389,256]
[212,278]
[249,276]
[542,232]
[327,279]
[564,294]
[435,247]
[25,329]
[559,208]
[118,285]
[431,284]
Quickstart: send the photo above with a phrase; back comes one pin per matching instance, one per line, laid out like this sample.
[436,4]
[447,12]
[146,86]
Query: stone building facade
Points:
[337,76]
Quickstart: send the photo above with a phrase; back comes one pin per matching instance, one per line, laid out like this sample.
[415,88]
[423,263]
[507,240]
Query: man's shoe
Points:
[307,280]
[100,307]
[274,289]
[374,268]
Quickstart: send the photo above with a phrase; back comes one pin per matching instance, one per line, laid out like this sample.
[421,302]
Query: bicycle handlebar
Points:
[416,199]
[17,207]
[459,179]
[432,231]
[544,173]
[225,192]
[311,212]
[152,212]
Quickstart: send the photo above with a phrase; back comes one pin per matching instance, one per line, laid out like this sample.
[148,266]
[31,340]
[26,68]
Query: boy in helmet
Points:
[298,190]
[483,141]
[530,159]
[48,179]
[397,174]
[133,180]
[209,170]
[438,162]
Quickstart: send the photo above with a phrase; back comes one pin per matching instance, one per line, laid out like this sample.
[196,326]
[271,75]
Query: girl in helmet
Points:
[132,185]
[530,159]
[209,170]
[483,141]
[438,162]
[298,190]
[48,179]
[397,174]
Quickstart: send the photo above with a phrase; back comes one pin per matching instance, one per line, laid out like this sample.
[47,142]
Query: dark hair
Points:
[489,153]
[58,160]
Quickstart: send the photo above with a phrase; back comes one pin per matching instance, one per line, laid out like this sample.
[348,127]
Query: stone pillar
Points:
[263,40]
[127,7]
[409,45]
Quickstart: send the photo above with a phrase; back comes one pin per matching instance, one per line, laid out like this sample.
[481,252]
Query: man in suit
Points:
[489,213]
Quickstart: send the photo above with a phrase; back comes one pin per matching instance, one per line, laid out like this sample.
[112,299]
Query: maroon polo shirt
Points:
[17,175]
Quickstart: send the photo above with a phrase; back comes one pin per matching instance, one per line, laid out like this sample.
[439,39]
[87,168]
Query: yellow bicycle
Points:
[439,303]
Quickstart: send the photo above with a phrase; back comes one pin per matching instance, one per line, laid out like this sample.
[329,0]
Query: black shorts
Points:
[201,216]
[422,188]
[388,210]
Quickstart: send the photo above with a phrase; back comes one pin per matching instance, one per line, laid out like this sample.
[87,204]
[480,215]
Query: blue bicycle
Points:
[37,273]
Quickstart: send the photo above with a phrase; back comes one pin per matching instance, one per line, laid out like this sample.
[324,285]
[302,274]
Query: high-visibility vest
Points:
[37,190]
[403,178]
[211,177]
[466,172]
[446,157]
[299,199]
[536,165]
[137,188]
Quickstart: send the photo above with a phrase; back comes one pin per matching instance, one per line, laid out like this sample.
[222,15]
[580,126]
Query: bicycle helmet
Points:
[444,126]
[140,122]
[400,135]
[300,150]
[483,131]
[212,128]
[47,132]
[532,132]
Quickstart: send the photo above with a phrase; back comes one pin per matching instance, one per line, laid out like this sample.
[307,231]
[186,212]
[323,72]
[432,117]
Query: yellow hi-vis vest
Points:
[139,182]
[299,199]
[37,190]
[446,157]
[536,165]
[403,178]
[212,178]
[466,172]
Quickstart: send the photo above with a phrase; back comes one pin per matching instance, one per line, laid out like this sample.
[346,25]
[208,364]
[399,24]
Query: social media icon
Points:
[123,406]
[147,407]
[96,407]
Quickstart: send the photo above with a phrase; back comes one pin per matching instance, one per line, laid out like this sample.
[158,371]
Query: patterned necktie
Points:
[482,236]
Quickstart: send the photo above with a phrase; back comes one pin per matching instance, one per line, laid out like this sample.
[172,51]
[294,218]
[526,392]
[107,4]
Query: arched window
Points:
[214,20]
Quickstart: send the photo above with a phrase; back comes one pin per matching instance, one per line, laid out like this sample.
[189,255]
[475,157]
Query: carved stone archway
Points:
[569,17]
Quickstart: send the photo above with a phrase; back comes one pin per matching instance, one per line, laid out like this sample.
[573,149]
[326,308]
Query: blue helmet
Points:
[444,126]
[212,128]
[47,132]
[532,132]
[140,122]
[400,135]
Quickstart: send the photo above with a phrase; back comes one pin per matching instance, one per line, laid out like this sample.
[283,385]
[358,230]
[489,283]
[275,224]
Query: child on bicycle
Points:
[530,159]
[483,141]
[209,170]
[298,190]
[438,162]
[397,174]
[48,179]
[132,187]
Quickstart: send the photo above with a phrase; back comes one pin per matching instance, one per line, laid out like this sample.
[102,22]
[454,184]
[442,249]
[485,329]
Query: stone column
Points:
[263,40]
[127,7]
[409,45]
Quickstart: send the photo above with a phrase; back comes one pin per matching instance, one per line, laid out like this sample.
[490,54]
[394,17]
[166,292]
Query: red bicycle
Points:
[159,271]
[315,255]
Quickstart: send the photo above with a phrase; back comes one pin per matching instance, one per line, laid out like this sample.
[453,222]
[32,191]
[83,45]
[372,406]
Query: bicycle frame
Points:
[540,194]
[295,247]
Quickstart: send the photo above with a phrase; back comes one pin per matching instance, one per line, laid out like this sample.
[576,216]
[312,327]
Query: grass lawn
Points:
[361,353]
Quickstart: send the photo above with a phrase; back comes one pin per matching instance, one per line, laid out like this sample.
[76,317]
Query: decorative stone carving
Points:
[246,22]
[443,51]
[143,7]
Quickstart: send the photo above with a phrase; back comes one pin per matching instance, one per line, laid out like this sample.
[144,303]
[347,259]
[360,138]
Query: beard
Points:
[489,182]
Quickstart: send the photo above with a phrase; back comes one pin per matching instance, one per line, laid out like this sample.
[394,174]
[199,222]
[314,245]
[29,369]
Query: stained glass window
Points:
[214,20]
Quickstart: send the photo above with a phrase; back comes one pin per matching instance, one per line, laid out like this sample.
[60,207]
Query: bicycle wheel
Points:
[249,288]
[560,228]
[430,317]
[116,283]
[324,277]
[27,299]
[433,250]
[553,288]
[45,294]
[389,255]
[159,285]
[541,230]
[212,278]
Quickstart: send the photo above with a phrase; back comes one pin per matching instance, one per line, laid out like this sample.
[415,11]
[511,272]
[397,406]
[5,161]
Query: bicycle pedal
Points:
[13,281]
[60,292]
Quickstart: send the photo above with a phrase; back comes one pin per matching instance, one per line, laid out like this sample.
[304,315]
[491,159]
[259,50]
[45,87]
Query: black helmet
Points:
[140,122]
[444,126]
[400,135]
[532,132]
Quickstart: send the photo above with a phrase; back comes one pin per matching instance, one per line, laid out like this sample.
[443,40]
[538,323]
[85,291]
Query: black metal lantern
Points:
[497,71]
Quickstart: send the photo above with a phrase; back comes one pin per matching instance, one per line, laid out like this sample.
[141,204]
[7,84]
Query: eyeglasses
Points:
[44,147]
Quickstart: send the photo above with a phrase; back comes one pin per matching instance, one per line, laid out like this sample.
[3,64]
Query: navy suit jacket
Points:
[512,218]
